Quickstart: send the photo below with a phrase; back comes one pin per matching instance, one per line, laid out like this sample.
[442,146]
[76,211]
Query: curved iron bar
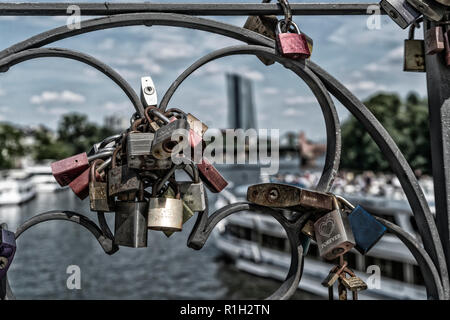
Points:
[430,274]
[29,54]
[333,128]
[425,220]
[105,242]
[205,225]
[402,170]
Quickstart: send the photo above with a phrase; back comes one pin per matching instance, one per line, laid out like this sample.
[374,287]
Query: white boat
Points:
[16,187]
[258,244]
[42,178]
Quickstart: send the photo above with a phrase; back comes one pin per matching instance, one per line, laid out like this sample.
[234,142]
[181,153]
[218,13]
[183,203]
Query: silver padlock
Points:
[165,214]
[149,96]
[193,194]
[400,11]
[139,144]
[430,8]
[334,234]
[171,138]
[131,224]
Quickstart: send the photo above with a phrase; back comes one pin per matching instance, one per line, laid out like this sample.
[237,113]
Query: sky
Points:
[39,91]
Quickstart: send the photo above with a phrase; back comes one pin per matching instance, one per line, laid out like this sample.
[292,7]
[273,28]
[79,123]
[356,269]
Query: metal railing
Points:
[433,257]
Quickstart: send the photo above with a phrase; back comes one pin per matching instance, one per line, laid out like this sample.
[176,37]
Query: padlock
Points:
[212,178]
[196,130]
[80,186]
[333,276]
[414,55]
[366,229]
[334,234]
[131,224]
[149,96]
[308,230]
[447,47]
[429,8]
[139,144]
[193,194]
[122,179]
[66,170]
[165,214]
[266,26]
[400,11]
[98,191]
[171,138]
[292,45]
[352,283]
[7,250]
[187,212]
[434,40]
[287,196]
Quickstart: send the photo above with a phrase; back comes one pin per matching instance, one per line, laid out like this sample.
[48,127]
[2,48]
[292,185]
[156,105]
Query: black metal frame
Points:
[431,258]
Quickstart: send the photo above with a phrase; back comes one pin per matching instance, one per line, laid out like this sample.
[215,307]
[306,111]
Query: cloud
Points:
[107,44]
[270,90]
[117,106]
[365,86]
[299,100]
[2,92]
[52,111]
[293,112]
[65,96]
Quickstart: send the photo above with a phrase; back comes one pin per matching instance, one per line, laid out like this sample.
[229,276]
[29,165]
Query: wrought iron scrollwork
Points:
[431,258]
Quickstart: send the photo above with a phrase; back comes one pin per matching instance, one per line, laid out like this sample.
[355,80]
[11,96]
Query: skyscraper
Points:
[241,109]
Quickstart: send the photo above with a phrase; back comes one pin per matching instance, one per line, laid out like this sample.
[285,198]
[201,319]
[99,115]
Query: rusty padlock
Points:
[434,40]
[66,170]
[212,178]
[292,45]
[98,191]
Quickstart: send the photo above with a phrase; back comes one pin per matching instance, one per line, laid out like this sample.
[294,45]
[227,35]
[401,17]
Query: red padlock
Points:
[66,170]
[80,186]
[212,178]
[292,45]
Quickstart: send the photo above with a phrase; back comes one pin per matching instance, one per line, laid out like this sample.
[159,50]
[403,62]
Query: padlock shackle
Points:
[412,28]
[93,169]
[114,156]
[346,202]
[101,155]
[292,24]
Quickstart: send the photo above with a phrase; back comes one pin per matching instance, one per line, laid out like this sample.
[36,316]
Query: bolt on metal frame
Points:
[433,258]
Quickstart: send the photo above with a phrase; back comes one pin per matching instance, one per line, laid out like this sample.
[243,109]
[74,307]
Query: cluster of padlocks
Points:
[117,172]
[334,224]
[437,37]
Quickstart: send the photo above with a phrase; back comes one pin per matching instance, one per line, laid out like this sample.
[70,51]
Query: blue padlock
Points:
[7,250]
[366,229]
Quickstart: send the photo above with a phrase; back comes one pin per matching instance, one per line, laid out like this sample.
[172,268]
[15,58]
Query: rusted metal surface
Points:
[208,9]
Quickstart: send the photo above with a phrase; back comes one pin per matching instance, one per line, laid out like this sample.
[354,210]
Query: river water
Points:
[166,269]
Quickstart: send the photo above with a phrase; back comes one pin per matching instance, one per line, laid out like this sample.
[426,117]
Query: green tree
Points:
[78,134]
[46,146]
[407,123]
[11,145]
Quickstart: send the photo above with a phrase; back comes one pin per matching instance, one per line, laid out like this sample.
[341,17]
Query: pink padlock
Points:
[292,45]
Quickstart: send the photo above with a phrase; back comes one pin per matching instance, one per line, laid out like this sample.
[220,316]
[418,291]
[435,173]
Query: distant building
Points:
[241,109]
[116,123]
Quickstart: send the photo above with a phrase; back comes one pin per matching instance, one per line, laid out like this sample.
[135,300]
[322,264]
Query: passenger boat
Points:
[42,178]
[257,244]
[16,187]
